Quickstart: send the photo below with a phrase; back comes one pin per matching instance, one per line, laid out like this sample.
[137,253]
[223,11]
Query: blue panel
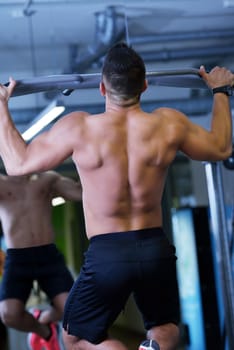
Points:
[188,277]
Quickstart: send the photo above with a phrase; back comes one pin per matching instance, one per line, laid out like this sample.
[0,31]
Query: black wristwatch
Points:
[225,89]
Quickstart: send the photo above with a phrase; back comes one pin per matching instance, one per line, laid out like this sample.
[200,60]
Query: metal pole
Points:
[222,246]
[66,83]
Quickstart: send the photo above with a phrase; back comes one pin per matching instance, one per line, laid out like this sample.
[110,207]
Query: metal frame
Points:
[222,245]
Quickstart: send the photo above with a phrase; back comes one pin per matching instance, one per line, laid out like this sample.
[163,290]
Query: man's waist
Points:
[129,234]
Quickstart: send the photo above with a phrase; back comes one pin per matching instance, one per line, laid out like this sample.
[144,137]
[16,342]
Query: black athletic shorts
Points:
[141,262]
[24,265]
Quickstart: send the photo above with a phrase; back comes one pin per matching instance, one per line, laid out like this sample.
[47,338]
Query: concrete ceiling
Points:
[47,37]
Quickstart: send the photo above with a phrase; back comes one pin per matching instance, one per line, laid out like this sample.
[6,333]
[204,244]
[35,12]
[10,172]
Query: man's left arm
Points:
[12,145]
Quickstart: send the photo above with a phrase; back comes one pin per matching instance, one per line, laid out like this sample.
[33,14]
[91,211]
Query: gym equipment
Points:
[222,245]
[66,83]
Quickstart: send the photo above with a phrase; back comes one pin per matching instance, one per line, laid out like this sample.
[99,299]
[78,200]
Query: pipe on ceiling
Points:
[111,27]
[182,36]
[188,52]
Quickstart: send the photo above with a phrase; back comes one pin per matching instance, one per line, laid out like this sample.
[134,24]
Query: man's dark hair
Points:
[124,70]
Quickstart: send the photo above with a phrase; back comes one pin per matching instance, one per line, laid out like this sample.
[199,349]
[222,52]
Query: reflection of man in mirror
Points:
[31,255]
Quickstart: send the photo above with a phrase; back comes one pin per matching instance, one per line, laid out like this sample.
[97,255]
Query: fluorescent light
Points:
[43,119]
[57,201]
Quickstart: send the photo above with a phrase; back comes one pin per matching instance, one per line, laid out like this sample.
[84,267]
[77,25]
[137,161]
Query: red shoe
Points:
[53,342]
[34,340]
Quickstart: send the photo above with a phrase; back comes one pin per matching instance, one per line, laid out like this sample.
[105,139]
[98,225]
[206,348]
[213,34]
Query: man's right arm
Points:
[214,144]
[12,145]
[46,150]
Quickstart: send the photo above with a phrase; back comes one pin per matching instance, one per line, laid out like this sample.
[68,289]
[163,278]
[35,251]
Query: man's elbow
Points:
[227,152]
[223,153]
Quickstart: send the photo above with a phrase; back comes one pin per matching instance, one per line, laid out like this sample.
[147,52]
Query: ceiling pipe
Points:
[186,53]
[111,28]
[182,36]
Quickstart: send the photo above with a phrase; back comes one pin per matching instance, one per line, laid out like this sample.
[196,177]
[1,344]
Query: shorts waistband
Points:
[133,234]
[30,250]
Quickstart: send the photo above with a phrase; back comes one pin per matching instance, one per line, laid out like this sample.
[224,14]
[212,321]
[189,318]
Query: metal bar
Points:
[186,78]
[222,246]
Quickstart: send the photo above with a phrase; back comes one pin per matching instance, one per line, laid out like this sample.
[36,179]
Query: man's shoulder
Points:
[168,114]
[55,176]
[165,110]
[80,115]
[50,173]
[41,177]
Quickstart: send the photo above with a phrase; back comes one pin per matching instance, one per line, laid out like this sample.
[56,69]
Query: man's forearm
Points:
[12,145]
[221,123]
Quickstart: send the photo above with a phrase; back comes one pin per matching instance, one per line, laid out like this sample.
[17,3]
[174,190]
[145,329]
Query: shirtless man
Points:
[25,215]
[122,157]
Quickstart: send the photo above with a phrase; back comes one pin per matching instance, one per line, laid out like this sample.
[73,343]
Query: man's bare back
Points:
[26,207]
[124,174]
[123,156]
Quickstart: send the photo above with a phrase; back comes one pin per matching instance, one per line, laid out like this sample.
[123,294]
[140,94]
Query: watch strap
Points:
[225,89]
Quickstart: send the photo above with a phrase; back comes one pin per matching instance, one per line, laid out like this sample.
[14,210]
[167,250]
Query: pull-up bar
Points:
[66,83]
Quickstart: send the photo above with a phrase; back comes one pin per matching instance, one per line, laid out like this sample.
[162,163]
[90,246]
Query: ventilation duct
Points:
[110,28]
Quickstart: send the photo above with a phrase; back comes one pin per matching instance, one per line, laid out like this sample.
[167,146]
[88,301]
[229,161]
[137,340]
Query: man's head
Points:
[123,74]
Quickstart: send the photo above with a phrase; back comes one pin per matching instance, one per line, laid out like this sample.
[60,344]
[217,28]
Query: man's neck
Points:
[118,105]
